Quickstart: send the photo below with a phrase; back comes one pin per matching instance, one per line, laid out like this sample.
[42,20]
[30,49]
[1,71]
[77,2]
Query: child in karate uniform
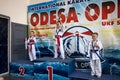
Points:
[31,46]
[58,41]
[95,58]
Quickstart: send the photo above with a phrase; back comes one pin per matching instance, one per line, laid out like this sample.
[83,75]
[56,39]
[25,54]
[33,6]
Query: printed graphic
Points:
[76,40]
[83,17]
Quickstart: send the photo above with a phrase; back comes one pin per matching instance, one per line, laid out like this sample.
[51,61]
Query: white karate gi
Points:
[25,40]
[56,44]
[94,58]
[31,48]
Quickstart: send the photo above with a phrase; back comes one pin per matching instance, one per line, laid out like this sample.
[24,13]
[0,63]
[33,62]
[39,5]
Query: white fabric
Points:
[26,45]
[57,32]
[32,55]
[90,47]
[95,61]
[94,56]
[96,67]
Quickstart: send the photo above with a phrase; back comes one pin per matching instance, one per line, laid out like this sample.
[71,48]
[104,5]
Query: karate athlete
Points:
[31,45]
[58,41]
[95,59]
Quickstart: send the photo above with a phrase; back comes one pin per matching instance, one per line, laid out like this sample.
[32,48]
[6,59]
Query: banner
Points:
[84,17]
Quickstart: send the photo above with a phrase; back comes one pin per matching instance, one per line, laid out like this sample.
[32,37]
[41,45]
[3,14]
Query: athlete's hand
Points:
[96,45]
[54,40]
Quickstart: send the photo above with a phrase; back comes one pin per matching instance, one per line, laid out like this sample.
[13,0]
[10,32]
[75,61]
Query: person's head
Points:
[94,36]
[32,33]
[58,24]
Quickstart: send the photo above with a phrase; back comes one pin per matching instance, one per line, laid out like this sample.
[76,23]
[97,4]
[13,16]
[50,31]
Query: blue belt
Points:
[95,51]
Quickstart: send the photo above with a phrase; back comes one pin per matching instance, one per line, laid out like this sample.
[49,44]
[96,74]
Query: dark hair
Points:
[95,33]
[59,21]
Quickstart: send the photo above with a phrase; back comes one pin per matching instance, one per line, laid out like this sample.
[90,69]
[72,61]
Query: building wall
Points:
[15,9]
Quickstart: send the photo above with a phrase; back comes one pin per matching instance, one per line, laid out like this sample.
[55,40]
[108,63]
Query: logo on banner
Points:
[76,40]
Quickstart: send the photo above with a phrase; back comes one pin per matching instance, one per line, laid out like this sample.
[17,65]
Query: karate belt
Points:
[31,43]
[95,51]
[58,39]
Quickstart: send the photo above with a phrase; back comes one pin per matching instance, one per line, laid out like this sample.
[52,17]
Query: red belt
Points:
[31,43]
[58,39]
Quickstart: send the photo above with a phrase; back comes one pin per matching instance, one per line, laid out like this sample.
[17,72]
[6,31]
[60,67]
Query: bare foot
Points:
[1,78]
[63,58]
[92,74]
[54,58]
[98,76]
